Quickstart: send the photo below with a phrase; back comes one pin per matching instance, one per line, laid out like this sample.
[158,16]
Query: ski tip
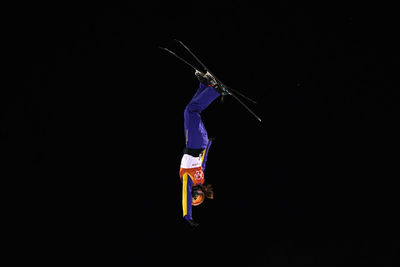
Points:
[258,118]
[179,41]
[166,49]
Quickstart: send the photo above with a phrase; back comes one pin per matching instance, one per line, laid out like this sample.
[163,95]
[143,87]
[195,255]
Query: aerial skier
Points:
[194,158]
[197,146]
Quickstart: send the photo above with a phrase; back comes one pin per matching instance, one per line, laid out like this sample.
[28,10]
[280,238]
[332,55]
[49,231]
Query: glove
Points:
[193,223]
[208,191]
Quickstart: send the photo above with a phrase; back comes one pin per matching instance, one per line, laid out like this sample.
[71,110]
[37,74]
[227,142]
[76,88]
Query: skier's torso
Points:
[192,166]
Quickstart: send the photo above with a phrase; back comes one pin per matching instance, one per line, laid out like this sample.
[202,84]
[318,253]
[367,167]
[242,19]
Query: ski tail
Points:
[239,93]
[180,58]
[198,60]
[246,107]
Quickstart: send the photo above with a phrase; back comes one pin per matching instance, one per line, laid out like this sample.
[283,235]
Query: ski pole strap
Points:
[192,151]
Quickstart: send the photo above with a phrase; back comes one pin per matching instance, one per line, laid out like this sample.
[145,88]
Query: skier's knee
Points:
[192,107]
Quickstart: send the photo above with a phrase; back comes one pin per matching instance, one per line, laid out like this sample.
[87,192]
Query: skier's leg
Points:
[195,132]
[201,88]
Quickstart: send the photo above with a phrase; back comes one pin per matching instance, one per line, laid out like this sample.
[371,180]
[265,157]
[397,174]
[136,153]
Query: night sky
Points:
[92,124]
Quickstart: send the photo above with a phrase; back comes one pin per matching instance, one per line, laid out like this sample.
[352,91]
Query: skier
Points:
[197,146]
[197,143]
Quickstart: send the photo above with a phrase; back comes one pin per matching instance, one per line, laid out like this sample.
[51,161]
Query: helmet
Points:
[198,196]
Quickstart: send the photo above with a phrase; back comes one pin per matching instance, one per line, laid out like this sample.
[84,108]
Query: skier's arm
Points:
[187,184]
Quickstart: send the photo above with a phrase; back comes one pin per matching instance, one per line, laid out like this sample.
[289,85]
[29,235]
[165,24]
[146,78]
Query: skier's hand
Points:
[208,191]
[193,223]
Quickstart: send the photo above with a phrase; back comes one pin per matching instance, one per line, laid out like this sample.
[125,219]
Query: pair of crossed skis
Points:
[229,90]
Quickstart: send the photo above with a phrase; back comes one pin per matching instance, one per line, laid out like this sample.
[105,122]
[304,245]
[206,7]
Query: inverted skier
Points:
[193,162]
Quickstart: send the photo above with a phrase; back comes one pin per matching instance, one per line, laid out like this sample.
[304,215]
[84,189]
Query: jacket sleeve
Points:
[187,184]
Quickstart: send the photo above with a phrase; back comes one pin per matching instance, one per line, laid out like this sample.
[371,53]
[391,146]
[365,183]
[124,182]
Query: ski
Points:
[207,69]
[174,54]
[246,107]
[228,89]
[239,93]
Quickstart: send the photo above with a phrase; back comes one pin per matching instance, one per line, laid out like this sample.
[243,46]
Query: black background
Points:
[93,134]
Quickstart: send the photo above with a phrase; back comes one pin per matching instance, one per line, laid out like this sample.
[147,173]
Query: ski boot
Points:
[209,80]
